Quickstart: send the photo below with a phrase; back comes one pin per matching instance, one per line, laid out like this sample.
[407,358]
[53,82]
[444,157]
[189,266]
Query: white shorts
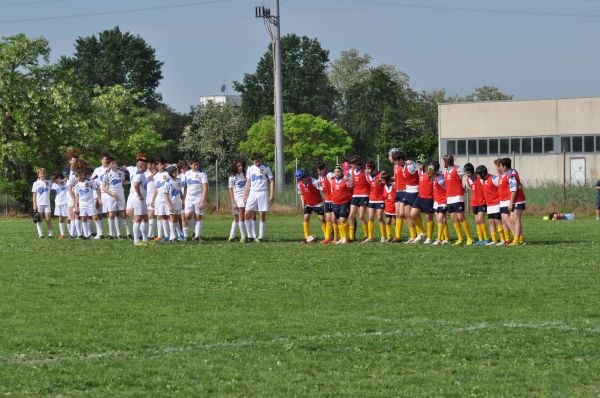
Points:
[192,205]
[115,204]
[504,203]
[44,209]
[239,202]
[105,202]
[87,211]
[161,209]
[61,211]
[139,207]
[493,209]
[130,200]
[258,201]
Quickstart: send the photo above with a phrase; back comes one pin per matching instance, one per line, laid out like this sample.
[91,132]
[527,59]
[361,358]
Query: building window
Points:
[461,147]
[515,145]
[494,147]
[577,144]
[537,146]
[483,147]
[504,146]
[598,143]
[526,145]
[565,144]
[548,144]
[588,143]
[451,147]
[472,146]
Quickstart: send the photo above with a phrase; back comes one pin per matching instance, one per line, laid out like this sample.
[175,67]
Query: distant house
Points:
[232,100]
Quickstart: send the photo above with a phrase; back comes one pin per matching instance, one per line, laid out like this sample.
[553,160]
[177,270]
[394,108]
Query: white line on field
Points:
[24,359]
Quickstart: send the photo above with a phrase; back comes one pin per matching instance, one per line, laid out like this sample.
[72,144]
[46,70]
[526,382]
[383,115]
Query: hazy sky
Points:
[529,48]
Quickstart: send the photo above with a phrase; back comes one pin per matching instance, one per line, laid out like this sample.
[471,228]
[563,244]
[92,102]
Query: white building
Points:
[233,100]
[549,141]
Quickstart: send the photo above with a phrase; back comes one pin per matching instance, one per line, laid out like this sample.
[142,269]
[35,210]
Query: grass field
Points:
[104,318]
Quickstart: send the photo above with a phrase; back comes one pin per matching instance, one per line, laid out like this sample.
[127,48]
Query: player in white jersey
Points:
[258,195]
[195,191]
[41,202]
[98,178]
[174,199]
[159,202]
[182,168]
[59,186]
[71,181]
[112,186]
[236,185]
[139,185]
[150,173]
[85,204]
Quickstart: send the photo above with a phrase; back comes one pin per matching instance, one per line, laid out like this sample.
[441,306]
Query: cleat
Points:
[436,243]
[469,242]
[129,237]
[98,237]
[514,243]
[232,239]
[181,237]
[490,243]
[145,244]
[410,241]
[325,241]
[366,240]
[139,244]
[445,242]
[384,240]
[110,237]
[40,237]
[172,241]
[479,243]
[196,239]
[419,238]
[395,240]
[165,239]
[84,237]
[500,243]
[72,237]
[61,237]
[157,239]
[50,236]
[458,243]
[342,242]
[261,240]
[243,239]
[427,242]
[523,243]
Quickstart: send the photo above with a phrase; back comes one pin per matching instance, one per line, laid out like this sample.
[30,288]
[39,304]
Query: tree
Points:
[488,93]
[306,87]
[171,127]
[214,135]
[307,138]
[350,68]
[117,58]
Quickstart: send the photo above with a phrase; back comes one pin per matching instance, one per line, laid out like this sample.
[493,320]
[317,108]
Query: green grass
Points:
[103,318]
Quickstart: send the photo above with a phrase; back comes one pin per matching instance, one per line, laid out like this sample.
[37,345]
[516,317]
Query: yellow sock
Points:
[430,230]
[506,235]
[485,231]
[398,231]
[494,237]
[336,232]
[413,232]
[419,225]
[366,229]
[342,229]
[440,232]
[521,239]
[467,229]
[388,230]
[370,228]
[328,227]
[324,229]
[306,229]
[351,235]
[500,232]
[479,233]
[459,234]
[446,232]
[382,230]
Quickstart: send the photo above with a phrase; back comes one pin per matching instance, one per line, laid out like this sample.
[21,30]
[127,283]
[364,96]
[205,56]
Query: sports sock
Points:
[185,231]
[446,232]
[413,232]
[136,232]
[198,229]
[306,226]
[261,229]
[343,229]
[479,233]
[232,230]
[242,227]
[159,228]
[78,227]
[86,229]
[370,228]
[328,227]
[178,229]
[506,235]
[351,232]
[38,226]
[248,224]
[324,229]
[166,231]
[388,231]
[365,227]
[172,230]
[494,237]
[99,228]
[117,226]
[521,238]
[72,229]
[440,232]
[467,228]
[336,231]
[500,232]
[459,234]
[151,227]
[485,232]
[89,225]
[127,227]
[382,230]
[61,227]
[143,231]
[398,232]
[111,231]
[419,225]
[430,230]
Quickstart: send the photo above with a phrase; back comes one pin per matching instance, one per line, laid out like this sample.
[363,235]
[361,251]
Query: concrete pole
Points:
[279,159]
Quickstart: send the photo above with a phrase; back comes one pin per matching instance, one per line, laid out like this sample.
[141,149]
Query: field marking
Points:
[23,359]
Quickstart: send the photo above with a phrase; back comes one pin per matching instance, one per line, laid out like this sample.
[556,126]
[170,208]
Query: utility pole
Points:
[272,23]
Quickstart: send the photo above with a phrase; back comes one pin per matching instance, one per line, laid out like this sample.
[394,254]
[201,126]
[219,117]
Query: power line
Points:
[472,9]
[113,12]
[24,3]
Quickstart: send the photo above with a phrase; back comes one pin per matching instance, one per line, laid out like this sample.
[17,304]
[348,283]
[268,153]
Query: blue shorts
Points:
[518,206]
[328,207]
[410,197]
[400,196]
[360,201]
[479,209]
[441,209]
[341,211]
[424,204]
[504,210]
[376,206]
[388,215]
[320,210]
[456,207]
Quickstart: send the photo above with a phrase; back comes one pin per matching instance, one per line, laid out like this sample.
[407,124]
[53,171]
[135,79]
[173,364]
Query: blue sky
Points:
[529,48]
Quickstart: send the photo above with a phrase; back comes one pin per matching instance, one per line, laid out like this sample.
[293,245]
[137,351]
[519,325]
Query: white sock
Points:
[178,229]
[232,231]
[62,227]
[127,227]
[159,227]
[89,225]
[198,229]
[99,228]
[185,232]
[261,229]
[72,229]
[151,228]
[78,228]
[136,233]
[242,227]
[165,227]
[111,231]
[172,228]
[143,231]
[253,223]
[86,228]
[117,229]
[249,229]
[38,226]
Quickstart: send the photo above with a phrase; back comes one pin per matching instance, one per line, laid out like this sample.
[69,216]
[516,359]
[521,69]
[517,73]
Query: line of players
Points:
[355,191]
[166,199]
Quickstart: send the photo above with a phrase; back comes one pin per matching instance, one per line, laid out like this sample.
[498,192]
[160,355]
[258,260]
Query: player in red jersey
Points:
[376,202]
[492,200]
[360,197]
[455,197]
[517,201]
[389,192]
[424,203]
[398,159]
[341,194]
[325,184]
[478,204]
[439,203]
[410,170]
[504,195]
[311,201]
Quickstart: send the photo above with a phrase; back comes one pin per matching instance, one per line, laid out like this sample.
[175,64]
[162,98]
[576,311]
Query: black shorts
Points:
[360,201]
[400,196]
[518,206]
[410,197]
[598,203]
[320,210]
[376,206]
[424,204]
[504,210]
[441,209]
[392,216]
[341,211]
[456,207]
[494,216]
[328,207]
[479,209]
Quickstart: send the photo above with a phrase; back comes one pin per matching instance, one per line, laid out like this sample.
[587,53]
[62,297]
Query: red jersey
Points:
[399,180]
[476,187]
[340,192]
[490,190]
[504,187]
[455,192]
[360,185]
[516,186]
[325,182]
[376,194]
[425,186]
[411,177]
[439,190]
[389,192]
[310,194]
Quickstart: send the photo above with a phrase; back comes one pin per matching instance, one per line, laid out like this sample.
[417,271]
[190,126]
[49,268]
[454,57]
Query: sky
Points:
[532,49]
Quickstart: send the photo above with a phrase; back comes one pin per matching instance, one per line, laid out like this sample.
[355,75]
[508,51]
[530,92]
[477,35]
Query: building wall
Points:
[233,100]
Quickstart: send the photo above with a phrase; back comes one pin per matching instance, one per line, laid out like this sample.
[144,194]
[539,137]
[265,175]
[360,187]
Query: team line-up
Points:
[166,202]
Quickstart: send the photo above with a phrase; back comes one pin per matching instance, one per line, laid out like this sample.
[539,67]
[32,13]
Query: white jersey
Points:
[194,181]
[161,181]
[237,183]
[175,189]
[85,189]
[259,177]
[42,192]
[98,177]
[150,185]
[71,182]
[61,193]
[140,178]
[114,179]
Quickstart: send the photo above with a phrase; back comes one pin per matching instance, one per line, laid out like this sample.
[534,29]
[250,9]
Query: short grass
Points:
[103,318]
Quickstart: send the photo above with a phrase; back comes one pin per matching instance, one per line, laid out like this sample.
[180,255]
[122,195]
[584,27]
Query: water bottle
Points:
[569,216]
